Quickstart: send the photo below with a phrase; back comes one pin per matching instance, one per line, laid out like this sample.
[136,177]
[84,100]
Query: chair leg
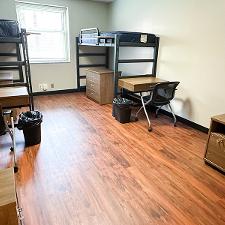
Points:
[157,111]
[139,110]
[146,114]
[12,135]
[174,117]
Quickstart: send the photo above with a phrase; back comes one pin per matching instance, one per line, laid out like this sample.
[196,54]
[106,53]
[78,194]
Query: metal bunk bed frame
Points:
[23,66]
[115,43]
[22,57]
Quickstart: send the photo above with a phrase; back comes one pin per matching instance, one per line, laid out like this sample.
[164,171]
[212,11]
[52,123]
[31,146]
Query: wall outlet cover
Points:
[45,87]
[41,87]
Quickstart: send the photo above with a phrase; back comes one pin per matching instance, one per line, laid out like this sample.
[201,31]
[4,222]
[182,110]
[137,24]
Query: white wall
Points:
[192,48]
[82,14]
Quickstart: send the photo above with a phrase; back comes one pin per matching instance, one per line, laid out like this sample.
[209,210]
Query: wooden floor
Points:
[92,170]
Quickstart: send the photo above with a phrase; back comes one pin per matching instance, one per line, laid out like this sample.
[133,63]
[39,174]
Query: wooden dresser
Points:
[215,148]
[99,84]
[8,206]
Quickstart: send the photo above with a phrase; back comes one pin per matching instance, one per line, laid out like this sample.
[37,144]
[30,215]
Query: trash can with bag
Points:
[30,123]
[122,109]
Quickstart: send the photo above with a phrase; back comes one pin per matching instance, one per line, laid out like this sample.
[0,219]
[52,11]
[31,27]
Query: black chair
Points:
[160,95]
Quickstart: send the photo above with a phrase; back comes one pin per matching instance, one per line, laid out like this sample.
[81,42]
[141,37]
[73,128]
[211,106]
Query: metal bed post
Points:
[19,58]
[27,67]
[78,63]
[155,57]
[116,64]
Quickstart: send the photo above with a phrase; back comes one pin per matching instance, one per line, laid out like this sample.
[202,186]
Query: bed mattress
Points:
[135,37]
[9,28]
[124,36]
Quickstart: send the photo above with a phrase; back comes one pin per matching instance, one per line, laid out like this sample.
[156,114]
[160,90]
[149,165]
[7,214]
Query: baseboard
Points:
[66,91]
[186,121]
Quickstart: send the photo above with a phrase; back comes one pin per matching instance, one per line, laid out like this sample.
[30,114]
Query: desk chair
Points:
[160,95]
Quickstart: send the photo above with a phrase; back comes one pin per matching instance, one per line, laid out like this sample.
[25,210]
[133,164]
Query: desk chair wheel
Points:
[16,169]
[12,149]
[174,124]
[150,129]
[136,118]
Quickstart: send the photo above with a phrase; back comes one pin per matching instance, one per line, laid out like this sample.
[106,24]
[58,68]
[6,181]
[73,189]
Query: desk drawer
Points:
[216,149]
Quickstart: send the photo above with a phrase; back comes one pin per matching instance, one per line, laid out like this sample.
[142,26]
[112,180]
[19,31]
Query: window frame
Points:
[66,32]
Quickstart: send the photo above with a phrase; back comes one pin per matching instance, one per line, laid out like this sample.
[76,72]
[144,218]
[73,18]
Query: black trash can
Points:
[122,109]
[30,123]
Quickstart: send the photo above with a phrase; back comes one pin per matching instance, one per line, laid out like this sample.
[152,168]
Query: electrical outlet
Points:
[52,85]
[45,87]
[41,87]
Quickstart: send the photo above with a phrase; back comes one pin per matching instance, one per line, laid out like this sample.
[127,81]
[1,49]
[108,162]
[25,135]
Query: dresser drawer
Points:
[93,94]
[93,77]
[216,149]
[93,86]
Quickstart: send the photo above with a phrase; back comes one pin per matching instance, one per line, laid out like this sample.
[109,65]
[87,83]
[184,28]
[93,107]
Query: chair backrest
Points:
[163,93]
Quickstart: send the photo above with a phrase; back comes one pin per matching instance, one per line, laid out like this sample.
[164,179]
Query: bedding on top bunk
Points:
[9,28]
[135,37]
[124,36]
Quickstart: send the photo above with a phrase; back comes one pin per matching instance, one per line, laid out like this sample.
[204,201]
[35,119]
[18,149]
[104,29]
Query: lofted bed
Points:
[115,40]
[17,92]
[14,92]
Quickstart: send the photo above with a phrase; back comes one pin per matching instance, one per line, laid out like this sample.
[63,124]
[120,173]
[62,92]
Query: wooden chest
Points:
[8,211]
[99,84]
[215,148]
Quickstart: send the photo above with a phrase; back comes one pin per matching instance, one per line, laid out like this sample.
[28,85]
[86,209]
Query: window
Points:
[48,25]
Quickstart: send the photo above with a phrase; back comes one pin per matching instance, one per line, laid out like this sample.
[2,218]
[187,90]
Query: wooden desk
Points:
[8,212]
[139,84]
[14,97]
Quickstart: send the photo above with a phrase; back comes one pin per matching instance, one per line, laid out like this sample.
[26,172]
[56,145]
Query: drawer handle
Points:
[220,141]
